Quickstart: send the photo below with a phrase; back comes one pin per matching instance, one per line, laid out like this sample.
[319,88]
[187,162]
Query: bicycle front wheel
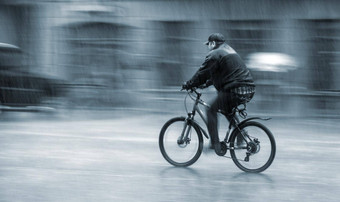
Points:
[257,151]
[181,143]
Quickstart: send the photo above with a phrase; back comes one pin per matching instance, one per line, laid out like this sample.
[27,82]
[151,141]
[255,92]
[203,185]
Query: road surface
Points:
[85,157]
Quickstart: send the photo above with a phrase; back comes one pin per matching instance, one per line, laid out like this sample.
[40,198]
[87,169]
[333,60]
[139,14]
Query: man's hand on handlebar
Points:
[186,86]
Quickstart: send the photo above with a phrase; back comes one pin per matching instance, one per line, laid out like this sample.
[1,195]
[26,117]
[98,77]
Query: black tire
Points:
[174,159]
[266,140]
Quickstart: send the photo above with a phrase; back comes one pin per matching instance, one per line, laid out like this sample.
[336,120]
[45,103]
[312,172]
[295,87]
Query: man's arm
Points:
[203,73]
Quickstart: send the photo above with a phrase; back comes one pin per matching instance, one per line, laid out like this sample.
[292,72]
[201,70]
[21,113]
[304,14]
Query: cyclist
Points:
[224,69]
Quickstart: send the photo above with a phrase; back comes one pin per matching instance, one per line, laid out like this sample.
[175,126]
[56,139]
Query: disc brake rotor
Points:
[183,143]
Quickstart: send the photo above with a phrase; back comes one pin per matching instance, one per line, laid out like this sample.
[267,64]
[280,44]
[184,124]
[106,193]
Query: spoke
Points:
[254,157]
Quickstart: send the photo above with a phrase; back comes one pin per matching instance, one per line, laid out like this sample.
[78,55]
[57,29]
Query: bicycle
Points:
[247,140]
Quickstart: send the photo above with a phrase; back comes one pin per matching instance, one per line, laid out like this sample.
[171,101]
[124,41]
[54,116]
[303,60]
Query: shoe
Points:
[240,142]
[241,145]
[220,148]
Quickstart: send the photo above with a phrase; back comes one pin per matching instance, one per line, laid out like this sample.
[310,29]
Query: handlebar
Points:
[198,95]
[196,98]
[193,89]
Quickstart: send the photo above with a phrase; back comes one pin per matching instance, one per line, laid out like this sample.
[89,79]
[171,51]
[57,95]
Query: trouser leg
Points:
[212,124]
[221,102]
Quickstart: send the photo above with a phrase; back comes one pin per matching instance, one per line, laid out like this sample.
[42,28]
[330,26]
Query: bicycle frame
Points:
[235,122]
[197,109]
[239,140]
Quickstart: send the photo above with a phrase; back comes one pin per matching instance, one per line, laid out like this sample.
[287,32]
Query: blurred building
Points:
[126,53]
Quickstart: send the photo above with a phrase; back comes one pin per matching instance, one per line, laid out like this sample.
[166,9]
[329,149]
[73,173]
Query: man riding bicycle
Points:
[224,69]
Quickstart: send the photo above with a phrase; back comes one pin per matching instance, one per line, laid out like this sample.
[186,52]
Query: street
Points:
[82,157]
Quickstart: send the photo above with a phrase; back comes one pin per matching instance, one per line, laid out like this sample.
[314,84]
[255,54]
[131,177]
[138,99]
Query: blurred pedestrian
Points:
[224,69]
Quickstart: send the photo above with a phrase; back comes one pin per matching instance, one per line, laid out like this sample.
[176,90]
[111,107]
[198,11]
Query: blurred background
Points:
[135,54]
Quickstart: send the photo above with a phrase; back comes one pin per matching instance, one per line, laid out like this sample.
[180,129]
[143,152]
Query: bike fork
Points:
[185,134]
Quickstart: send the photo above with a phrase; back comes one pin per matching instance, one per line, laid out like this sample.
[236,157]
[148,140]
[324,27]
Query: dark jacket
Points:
[223,69]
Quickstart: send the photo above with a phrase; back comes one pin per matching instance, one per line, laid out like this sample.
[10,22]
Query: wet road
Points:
[117,159]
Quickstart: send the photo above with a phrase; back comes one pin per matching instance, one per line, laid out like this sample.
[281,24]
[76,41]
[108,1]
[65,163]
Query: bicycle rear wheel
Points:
[177,150]
[259,153]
